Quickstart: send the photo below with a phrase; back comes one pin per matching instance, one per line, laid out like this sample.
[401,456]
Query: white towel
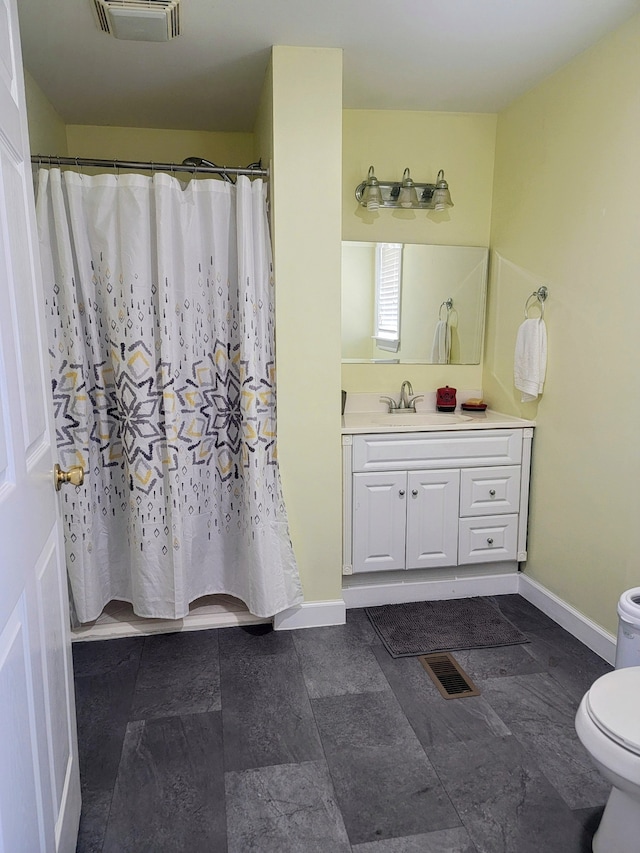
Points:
[530,362]
[441,348]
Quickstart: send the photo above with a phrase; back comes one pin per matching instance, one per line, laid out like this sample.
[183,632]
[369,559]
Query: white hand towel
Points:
[530,362]
[441,347]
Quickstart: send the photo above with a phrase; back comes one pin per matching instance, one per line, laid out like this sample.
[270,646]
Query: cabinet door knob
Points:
[489,540]
[401,493]
[492,492]
[414,492]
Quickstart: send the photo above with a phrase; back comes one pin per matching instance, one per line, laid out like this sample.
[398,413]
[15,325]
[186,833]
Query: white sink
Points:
[419,419]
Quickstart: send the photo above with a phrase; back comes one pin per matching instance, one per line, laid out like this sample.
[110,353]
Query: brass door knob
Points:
[75,476]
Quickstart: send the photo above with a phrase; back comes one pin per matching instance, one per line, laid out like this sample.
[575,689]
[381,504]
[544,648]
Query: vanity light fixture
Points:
[406,194]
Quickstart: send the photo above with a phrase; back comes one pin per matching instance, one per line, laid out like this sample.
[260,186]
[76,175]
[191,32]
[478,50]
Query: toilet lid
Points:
[613,702]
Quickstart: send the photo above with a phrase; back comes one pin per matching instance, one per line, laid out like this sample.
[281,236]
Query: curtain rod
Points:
[162,167]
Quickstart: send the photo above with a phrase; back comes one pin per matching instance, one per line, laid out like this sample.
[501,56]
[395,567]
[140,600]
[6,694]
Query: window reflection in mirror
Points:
[387,286]
[441,302]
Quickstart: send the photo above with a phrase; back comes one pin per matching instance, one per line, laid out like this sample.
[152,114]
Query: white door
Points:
[39,780]
[432,519]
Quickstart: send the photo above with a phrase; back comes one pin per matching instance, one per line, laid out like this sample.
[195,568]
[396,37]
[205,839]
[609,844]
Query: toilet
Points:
[608,724]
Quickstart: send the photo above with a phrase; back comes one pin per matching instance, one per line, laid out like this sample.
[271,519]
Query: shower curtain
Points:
[160,313]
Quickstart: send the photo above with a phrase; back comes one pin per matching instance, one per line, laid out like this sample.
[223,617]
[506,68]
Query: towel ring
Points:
[540,296]
[448,304]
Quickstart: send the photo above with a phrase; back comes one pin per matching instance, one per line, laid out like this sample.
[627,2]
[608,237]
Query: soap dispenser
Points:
[446,399]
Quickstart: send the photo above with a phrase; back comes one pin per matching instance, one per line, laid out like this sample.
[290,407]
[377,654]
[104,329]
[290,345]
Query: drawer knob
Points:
[489,540]
[401,493]
[414,492]
[492,492]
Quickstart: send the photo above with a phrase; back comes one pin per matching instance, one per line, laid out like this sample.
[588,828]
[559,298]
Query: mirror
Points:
[413,303]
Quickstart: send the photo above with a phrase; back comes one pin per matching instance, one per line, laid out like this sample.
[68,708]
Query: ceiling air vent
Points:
[139,20]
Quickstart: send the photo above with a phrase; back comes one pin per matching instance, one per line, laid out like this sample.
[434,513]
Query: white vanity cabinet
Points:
[435,499]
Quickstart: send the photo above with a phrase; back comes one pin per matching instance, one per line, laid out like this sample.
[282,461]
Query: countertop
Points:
[425,421]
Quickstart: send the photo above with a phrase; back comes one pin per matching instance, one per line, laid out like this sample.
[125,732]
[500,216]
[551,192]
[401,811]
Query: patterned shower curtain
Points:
[161,333]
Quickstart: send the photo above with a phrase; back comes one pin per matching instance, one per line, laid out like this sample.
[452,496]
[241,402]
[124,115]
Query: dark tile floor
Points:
[317,741]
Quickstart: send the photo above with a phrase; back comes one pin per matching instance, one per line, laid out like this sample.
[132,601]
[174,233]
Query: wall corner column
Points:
[306,219]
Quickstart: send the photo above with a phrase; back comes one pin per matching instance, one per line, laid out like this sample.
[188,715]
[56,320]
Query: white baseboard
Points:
[584,629]
[316,614]
[373,595]
[313,614]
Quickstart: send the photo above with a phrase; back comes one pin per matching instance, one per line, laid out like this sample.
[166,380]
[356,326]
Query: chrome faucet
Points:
[404,397]
[407,400]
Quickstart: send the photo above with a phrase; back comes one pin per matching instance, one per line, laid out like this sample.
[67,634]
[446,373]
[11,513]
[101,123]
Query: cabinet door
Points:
[432,518]
[379,521]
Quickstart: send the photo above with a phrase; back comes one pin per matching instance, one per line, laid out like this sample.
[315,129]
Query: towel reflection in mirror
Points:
[441,348]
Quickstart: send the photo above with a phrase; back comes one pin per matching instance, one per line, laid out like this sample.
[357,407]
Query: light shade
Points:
[408,196]
[441,198]
[372,196]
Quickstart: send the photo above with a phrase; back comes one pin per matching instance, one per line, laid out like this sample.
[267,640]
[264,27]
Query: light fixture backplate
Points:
[391,191]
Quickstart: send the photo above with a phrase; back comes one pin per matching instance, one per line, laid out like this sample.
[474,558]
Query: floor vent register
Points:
[448,676]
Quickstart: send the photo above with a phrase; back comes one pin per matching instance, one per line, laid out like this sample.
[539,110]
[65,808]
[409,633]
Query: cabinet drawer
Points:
[454,449]
[483,540]
[490,491]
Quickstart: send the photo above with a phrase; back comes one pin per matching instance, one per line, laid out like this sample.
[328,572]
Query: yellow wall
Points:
[462,144]
[49,135]
[566,213]
[47,131]
[307,142]
[169,146]
[263,128]
[358,301]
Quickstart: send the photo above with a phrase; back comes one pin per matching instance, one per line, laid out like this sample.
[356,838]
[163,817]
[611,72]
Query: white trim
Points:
[372,595]
[312,614]
[584,629]
[525,479]
[66,831]
[347,504]
[140,627]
